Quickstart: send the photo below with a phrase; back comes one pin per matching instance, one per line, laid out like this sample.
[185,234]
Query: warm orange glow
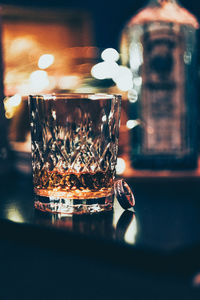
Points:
[57,40]
[68,82]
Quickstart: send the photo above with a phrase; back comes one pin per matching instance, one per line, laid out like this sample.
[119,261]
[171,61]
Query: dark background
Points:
[109,16]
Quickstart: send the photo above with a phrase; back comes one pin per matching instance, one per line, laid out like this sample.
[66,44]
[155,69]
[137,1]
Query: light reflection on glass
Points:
[104,118]
[121,166]
[136,57]
[187,57]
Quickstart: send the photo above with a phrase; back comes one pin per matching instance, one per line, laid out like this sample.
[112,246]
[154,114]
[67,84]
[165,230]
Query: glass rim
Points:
[90,96]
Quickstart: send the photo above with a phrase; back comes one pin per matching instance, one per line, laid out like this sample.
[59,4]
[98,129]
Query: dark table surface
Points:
[157,247]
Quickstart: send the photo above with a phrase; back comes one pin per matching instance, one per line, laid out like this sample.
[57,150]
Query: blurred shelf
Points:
[131,173]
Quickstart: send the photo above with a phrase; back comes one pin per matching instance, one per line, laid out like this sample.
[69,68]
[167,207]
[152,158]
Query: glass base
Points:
[73,206]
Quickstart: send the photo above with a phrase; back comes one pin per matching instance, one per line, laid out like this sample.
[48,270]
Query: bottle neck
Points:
[162,2]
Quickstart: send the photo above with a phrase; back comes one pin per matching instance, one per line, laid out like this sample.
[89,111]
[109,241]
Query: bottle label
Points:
[162,103]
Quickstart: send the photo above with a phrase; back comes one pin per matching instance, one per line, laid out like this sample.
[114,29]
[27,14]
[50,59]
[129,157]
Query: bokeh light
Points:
[132,123]
[132,95]
[38,81]
[123,78]
[110,54]
[136,58]
[11,104]
[45,61]
[109,69]
[104,70]
[137,81]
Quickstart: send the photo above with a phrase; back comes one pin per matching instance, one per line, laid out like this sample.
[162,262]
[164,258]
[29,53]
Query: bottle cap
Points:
[124,194]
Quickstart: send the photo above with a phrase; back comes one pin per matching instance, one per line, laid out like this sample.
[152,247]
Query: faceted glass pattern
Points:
[74,151]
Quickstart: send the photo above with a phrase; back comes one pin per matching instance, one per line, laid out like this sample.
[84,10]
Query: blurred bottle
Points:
[159,45]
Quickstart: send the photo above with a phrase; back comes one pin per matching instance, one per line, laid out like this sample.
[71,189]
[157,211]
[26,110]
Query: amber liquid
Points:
[73,185]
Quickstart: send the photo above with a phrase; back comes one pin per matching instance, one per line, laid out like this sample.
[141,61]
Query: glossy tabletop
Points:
[163,235]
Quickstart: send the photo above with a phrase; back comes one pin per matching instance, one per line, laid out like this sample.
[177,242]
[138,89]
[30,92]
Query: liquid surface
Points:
[73,185]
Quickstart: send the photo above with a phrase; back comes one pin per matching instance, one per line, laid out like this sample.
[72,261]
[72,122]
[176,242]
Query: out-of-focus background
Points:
[63,46]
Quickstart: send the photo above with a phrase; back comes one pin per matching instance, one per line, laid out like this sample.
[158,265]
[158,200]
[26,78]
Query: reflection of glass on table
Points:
[74,151]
